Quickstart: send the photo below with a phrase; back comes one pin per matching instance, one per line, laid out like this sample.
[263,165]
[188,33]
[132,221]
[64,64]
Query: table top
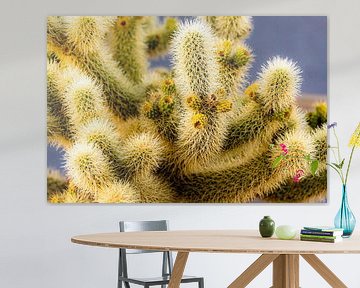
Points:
[217,241]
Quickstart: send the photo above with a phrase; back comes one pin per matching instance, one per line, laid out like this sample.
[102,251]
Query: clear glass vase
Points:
[345,219]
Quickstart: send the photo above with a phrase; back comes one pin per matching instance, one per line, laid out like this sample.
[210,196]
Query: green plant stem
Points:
[348,166]
[350,159]
[338,145]
[339,155]
[332,150]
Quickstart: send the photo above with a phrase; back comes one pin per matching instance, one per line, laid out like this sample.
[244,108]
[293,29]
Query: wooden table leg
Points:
[178,269]
[324,271]
[253,270]
[286,271]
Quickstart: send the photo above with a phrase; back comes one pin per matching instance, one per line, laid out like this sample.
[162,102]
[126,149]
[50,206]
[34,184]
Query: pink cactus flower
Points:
[284,149]
[298,175]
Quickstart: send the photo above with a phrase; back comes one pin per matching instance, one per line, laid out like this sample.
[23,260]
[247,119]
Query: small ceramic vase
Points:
[267,227]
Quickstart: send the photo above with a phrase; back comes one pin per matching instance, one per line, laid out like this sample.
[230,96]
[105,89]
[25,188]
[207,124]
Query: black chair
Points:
[167,265]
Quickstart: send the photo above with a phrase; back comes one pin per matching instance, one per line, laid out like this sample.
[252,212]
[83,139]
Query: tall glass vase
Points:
[345,219]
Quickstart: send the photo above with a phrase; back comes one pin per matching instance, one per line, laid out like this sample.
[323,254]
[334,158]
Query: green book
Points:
[325,240]
[319,236]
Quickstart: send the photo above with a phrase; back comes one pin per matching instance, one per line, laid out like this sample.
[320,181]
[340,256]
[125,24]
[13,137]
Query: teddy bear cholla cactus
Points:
[189,134]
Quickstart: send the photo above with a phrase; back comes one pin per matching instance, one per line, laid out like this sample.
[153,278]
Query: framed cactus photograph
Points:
[207,109]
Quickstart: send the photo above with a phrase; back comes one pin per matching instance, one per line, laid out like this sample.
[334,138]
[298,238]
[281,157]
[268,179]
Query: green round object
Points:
[285,232]
[267,227]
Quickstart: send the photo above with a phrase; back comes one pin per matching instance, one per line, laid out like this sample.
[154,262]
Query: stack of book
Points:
[321,234]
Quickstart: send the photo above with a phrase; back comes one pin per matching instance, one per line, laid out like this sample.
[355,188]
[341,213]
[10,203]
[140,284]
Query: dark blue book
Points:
[322,231]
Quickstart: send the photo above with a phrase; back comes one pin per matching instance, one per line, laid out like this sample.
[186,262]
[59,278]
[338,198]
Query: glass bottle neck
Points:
[344,194]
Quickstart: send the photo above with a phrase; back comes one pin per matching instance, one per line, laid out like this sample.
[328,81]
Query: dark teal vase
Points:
[267,227]
[345,219]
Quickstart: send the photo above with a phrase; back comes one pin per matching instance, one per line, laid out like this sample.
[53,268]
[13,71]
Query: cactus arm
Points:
[88,168]
[235,28]
[141,154]
[84,48]
[55,182]
[118,192]
[157,40]
[202,120]
[121,98]
[246,182]
[59,131]
[70,195]
[102,134]
[56,30]
[311,188]
[127,41]
[279,81]
[84,100]
[195,67]
[234,62]
[273,100]
[318,117]
[146,185]
[162,109]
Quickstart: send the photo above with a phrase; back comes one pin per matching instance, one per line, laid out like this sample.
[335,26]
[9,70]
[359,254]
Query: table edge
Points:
[203,250]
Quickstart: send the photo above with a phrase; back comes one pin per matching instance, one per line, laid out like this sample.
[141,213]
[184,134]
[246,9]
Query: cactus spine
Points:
[188,133]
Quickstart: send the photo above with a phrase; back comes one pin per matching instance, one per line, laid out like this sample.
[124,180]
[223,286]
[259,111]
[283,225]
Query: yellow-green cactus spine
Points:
[127,41]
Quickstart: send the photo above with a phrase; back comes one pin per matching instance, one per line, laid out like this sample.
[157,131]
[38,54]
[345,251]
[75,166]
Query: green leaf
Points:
[336,165]
[342,163]
[308,157]
[277,161]
[314,166]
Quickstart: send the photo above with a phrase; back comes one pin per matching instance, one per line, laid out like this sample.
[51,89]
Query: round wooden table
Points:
[284,254]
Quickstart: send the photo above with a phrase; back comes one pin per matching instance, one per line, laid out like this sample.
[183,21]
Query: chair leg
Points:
[201,283]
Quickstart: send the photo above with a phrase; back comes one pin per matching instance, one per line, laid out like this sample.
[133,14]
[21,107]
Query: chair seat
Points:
[158,280]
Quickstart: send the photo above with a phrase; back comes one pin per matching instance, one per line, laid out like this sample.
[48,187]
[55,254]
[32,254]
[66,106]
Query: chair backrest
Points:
[134,226]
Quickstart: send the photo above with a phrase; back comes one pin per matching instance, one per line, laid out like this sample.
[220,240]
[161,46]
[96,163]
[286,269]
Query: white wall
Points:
[35,248]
